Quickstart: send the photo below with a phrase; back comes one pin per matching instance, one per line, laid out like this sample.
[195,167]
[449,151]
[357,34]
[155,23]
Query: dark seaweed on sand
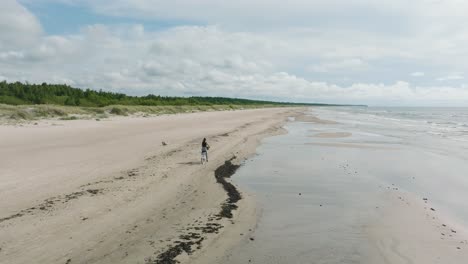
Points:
[221,173]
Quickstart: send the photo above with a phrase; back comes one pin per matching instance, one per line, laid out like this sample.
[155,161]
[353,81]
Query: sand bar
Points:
[348,145]
[309,118]
[332,135]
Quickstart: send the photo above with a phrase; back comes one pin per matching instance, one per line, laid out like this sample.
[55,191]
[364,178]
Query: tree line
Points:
[18,93]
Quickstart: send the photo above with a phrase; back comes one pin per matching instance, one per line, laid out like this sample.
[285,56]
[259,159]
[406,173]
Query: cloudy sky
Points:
[387,52]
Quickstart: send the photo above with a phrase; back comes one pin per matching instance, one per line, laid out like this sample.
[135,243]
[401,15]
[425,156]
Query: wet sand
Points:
[332,135]
[346,200]
[310,118]
[347,145]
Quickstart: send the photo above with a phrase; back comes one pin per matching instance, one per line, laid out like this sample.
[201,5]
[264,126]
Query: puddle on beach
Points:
[316,197]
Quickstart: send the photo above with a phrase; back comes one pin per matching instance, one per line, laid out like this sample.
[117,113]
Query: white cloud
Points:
[452,77]
[348,65]
[197,61]
[11,55]
[18,27]
[240,58]
[278,12]
[418,74]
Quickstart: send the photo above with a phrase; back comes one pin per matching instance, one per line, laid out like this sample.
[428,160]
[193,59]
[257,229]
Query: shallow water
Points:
[316,195]
[433,146]
[311,200]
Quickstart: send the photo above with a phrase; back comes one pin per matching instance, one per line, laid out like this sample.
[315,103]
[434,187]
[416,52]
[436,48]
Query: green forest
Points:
[18,93]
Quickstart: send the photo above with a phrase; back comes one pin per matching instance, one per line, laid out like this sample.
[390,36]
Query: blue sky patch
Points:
[60,18]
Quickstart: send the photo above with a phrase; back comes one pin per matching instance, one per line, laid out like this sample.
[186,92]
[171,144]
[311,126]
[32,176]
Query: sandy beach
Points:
[111,192]
[337,132]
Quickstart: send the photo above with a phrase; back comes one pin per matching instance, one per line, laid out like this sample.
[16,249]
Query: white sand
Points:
[109,192]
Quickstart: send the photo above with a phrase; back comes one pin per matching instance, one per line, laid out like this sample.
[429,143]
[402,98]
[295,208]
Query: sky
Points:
[380,53]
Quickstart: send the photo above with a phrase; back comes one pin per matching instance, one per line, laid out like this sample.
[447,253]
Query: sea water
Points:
[316,194]
[433,146]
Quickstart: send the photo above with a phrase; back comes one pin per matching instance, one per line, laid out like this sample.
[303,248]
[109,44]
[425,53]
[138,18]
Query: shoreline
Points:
[154,204]
[343,205]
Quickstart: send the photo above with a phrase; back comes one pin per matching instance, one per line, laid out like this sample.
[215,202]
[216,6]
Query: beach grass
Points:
[25,113]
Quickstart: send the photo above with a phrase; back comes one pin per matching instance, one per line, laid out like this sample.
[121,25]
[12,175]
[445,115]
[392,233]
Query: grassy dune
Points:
[25,113]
